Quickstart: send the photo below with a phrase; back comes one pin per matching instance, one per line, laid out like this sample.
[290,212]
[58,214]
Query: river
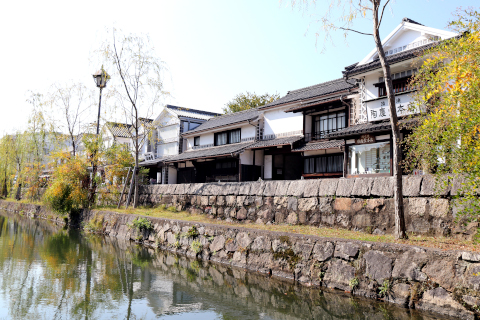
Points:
[48,272]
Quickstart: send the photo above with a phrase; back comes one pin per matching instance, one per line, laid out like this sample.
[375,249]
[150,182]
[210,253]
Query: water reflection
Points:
[50,273]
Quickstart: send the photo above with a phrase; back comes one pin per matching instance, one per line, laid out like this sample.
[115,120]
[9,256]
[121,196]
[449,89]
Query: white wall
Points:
[167,149]
[278,121]
[246,157]
[172,175]
[248,131]
[167,132]
[267,171]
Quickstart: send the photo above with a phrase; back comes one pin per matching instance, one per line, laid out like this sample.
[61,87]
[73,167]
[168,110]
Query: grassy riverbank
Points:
[442,243]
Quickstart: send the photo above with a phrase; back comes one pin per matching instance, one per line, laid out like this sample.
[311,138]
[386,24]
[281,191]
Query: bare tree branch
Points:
[348,29]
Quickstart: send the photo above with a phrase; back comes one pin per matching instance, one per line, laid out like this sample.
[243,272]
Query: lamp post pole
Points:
[99,107]
[101,78]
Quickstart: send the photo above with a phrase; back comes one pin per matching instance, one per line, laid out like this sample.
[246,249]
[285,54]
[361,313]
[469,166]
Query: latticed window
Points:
[324,164]
[327,123]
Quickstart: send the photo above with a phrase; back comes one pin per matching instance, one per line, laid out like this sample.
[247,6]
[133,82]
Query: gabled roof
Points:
[391,59]
[227,119]
[406,25]
[317,90]
[192,113]
[225,150]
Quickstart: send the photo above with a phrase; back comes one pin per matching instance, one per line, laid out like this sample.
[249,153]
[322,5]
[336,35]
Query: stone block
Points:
[220,201]
[282,188]
[307,204]
[270,187]
[345,187]
[231,189]
[439,208]
[292,218]
[212,200]
[303,249]
[408,266]
[243,240]
[244,189]
[204,201]
[435,186]
[362,187]
[240,201]
[457,185]
[179,189]
[296,188]
[379,266]
[342,204]
[416,206]
[292,203]
[311,188]
[328,187]
[323,251]
[262,243]
[325,205]
[438,300]
[258,201]
[339,274]
[249,200]
[442,271]
[411,186]
[231,200]
[242,214]
[280,202]
[217,244]
[383,187]
[400,294]
[375,205]
[346,250]
[471,256]
[256,188]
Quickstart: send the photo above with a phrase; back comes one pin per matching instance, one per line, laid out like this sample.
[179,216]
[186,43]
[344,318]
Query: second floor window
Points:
[196,141]
[327,123]
[227,137]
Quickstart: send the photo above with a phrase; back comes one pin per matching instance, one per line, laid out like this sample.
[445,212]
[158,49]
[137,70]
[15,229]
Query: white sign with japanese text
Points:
[379,109]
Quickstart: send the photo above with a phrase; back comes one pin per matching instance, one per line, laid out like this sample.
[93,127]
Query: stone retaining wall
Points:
[364,204]
[445,282]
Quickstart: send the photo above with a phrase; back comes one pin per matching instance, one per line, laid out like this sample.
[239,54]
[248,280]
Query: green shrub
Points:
[141,224]
[354,283]
[385,288]
[192,232]
[196,246]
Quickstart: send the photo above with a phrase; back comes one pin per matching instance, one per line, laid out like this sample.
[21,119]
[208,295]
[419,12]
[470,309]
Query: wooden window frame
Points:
[228,137]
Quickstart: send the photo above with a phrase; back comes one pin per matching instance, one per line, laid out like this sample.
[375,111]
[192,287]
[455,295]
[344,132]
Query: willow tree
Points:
[139,86]
[71,104]
[447,138]
[342,15]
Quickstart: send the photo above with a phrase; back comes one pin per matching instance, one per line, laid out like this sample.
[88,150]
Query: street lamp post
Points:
[101,78]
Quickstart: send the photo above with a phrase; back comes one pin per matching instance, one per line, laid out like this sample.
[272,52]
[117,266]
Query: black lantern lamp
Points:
[101,78]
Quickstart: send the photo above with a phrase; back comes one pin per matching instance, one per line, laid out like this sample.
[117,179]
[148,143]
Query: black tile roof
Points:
[361,129]
[411,21]
[193,113]
[227,119]
[122,130]
[320,145]
[276,142]
[315,102]
[317,90]
[154,161]
[355,69]
[210,152]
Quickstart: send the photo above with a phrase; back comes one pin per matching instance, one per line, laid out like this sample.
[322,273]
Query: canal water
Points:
[47,272]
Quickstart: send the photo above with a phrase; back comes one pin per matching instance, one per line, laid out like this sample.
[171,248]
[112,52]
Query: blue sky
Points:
[213,49]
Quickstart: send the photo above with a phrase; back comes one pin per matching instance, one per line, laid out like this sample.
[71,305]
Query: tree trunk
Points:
[137,150]
[400,232]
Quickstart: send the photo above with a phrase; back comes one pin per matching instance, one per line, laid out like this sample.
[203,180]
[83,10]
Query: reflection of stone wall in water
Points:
[364,204]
